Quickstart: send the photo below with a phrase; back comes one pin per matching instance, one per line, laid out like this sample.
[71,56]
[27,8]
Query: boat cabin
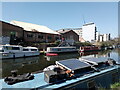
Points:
[89,48]
[9,48]
[64,47]
[30,49]
[61,49]
[72,68]
[16,51]
[15,48]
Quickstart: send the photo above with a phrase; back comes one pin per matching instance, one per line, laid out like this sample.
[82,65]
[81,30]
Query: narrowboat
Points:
[16,51]
[89,48]
[83,73]
[62,48]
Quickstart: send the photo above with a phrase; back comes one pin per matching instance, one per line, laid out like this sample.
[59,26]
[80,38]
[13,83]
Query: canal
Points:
[35,64]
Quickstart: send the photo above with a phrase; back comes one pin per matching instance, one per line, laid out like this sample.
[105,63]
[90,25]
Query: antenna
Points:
[83,19]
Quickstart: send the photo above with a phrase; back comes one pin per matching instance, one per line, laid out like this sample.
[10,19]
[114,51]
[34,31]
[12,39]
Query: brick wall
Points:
[39,37]
[7,29]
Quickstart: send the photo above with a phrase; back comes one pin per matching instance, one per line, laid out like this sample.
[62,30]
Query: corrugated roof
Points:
[63,31]
[33,27]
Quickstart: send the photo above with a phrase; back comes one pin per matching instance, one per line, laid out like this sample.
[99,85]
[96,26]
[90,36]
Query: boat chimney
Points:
[14,73]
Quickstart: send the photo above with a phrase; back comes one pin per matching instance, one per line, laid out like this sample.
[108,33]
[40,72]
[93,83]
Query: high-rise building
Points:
[97,36]
[104,37]
[89,32]
[109,36]
[100,38]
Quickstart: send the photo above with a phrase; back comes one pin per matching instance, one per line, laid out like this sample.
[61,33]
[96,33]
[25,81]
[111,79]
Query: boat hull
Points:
[61,49]
[62,52]
[88,50]
[18,55]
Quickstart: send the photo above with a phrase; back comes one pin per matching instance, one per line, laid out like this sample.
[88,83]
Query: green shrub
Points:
[115,85]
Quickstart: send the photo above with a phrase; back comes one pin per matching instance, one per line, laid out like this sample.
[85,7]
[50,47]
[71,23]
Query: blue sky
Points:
[57,15]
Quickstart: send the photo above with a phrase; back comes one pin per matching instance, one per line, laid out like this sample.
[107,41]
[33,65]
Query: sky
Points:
[59,15]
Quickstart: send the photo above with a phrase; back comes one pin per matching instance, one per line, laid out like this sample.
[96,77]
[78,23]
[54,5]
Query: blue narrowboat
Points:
[83,73]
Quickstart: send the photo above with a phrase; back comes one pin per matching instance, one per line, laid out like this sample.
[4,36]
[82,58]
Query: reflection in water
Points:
[0,68]
[33,64]
[115,55]
[18,64]
[88,53]
[62,57]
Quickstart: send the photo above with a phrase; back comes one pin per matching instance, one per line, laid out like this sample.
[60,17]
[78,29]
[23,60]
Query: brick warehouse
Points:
[37,33]
[17,34]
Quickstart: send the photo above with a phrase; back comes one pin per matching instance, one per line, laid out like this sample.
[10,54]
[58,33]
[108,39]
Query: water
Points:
[33,64]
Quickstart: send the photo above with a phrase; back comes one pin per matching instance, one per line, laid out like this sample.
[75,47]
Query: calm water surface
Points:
[33,64]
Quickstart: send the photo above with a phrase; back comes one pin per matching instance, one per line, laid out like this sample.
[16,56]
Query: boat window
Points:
[1,50]
[11,48]
[53,49]
[8,48]
[59,49]
[15,48]
[33,49]
[25,49]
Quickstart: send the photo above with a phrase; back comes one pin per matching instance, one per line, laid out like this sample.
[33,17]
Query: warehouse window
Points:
[40,36]
[29,35]
[56,38]
[12,34]
[49,37]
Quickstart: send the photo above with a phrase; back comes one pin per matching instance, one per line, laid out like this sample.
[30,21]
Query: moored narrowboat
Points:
[89,48]
[16,51]
[83,73]
[64,47]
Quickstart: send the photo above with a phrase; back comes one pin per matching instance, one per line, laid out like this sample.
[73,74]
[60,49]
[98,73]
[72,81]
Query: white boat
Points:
[16,51]
[62,48]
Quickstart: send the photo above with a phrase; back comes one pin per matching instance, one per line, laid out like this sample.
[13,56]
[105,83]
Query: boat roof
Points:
[11,45]
[72,64]
[62,47]
[94,60]
[30,47]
